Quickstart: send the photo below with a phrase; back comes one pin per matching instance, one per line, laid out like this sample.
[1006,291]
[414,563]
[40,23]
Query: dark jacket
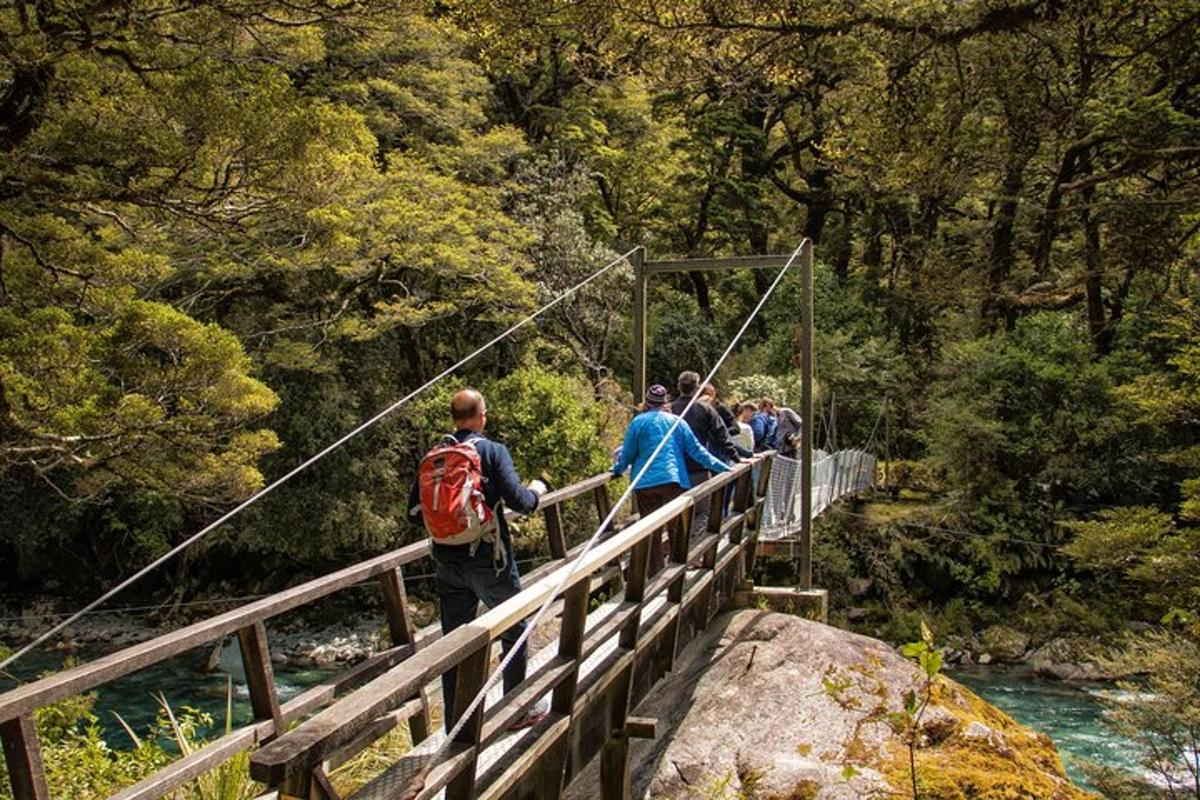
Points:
[500,483]
[726,415]
[706,423]
[731,426]
[787,432]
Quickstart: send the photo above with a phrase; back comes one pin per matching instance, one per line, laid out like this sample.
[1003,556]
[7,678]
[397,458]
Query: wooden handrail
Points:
[309,744]
[289,759]
[85,677]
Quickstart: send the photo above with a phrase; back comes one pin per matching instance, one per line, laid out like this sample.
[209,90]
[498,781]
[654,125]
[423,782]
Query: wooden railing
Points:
[22,751]
[604,662]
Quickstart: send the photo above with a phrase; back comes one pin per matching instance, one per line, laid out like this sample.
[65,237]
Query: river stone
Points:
[767,705]
[1004,643]
[1067,659]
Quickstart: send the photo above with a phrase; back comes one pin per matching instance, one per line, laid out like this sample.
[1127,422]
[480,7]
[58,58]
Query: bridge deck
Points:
[389,783]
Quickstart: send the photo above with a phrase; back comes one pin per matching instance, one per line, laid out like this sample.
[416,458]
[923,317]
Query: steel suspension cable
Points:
[261,493]
[569,569]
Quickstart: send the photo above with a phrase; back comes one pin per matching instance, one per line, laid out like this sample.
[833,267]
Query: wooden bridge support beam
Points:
[260,676]
[403,632]
[638,260]
[806,412]
[23,755]
[471,674]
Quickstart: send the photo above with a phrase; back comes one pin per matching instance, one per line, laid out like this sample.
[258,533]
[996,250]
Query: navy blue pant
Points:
[462,584]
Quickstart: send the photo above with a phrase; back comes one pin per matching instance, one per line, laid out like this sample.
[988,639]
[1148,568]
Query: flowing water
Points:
[1070,714]
[183,684]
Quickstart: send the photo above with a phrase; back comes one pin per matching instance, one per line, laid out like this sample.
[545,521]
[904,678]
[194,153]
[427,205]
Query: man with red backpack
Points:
[463,486]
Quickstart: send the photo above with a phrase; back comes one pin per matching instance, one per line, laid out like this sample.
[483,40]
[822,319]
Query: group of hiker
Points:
[467,481]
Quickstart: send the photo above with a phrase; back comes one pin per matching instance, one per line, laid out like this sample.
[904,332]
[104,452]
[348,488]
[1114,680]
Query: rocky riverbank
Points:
[1059,651]
[296,643]
[1066,658]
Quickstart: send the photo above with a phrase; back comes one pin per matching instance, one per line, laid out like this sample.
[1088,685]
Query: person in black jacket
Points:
[706,423]
[708,394]
[486,571]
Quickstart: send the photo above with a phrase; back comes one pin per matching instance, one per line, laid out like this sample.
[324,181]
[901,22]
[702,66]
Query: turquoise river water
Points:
[1070,714]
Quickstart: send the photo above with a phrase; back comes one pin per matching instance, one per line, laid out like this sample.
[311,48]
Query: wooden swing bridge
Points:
[619,631]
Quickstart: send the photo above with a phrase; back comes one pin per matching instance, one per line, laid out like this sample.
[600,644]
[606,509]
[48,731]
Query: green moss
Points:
[1015,764]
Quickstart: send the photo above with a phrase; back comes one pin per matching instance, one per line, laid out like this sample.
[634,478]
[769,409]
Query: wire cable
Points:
[261,493]
[569,569]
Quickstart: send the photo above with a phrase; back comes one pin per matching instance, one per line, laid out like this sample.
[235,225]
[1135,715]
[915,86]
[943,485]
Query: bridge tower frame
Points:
[643,269]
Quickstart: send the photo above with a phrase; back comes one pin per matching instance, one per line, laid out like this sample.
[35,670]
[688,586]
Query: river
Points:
[1070,714]
[181,681]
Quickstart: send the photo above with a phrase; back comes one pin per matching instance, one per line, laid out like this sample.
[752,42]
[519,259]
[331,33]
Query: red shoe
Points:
[539,712]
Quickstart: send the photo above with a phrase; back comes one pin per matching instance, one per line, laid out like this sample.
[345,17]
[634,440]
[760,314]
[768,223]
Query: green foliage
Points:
[229,781]
[551,424]
[82,763]
[784,390]
[681,338]
[1159,713]
[906,722]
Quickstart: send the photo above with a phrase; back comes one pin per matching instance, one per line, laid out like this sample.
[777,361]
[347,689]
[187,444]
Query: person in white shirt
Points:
[745,436]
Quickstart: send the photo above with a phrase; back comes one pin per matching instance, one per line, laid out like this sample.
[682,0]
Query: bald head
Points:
[468,410]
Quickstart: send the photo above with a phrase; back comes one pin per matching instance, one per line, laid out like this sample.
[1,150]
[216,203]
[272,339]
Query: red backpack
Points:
[451,486]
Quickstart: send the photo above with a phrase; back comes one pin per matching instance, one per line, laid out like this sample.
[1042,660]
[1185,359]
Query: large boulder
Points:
[1004,643]
[766,706]
[1070,659]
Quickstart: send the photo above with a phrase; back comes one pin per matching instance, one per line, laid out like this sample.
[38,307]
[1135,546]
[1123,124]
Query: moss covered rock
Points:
[767,706]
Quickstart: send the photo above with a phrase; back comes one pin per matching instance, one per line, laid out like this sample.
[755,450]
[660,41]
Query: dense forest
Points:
[230,230]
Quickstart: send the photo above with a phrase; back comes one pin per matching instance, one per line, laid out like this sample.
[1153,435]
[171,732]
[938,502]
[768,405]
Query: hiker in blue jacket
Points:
[764,425]
[667,476]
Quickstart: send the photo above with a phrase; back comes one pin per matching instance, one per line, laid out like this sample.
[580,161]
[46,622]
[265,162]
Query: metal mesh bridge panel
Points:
[835,475]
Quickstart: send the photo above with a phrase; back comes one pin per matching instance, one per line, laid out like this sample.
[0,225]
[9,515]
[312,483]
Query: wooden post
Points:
[402,631]
[23,755]
[806,412]
[552,766]
[260,677]
[603,504]
[554,531]
[471,676]
[887,444]
[716,510]
[638,260]
[614,768]
[570,643]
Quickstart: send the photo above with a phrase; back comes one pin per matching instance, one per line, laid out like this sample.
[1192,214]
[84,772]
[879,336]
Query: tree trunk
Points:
[997,309]
[841,247]
[700,290]
[820,203]
[1098,328]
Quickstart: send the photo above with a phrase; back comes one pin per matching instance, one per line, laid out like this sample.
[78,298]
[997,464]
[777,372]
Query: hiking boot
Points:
[540,710]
